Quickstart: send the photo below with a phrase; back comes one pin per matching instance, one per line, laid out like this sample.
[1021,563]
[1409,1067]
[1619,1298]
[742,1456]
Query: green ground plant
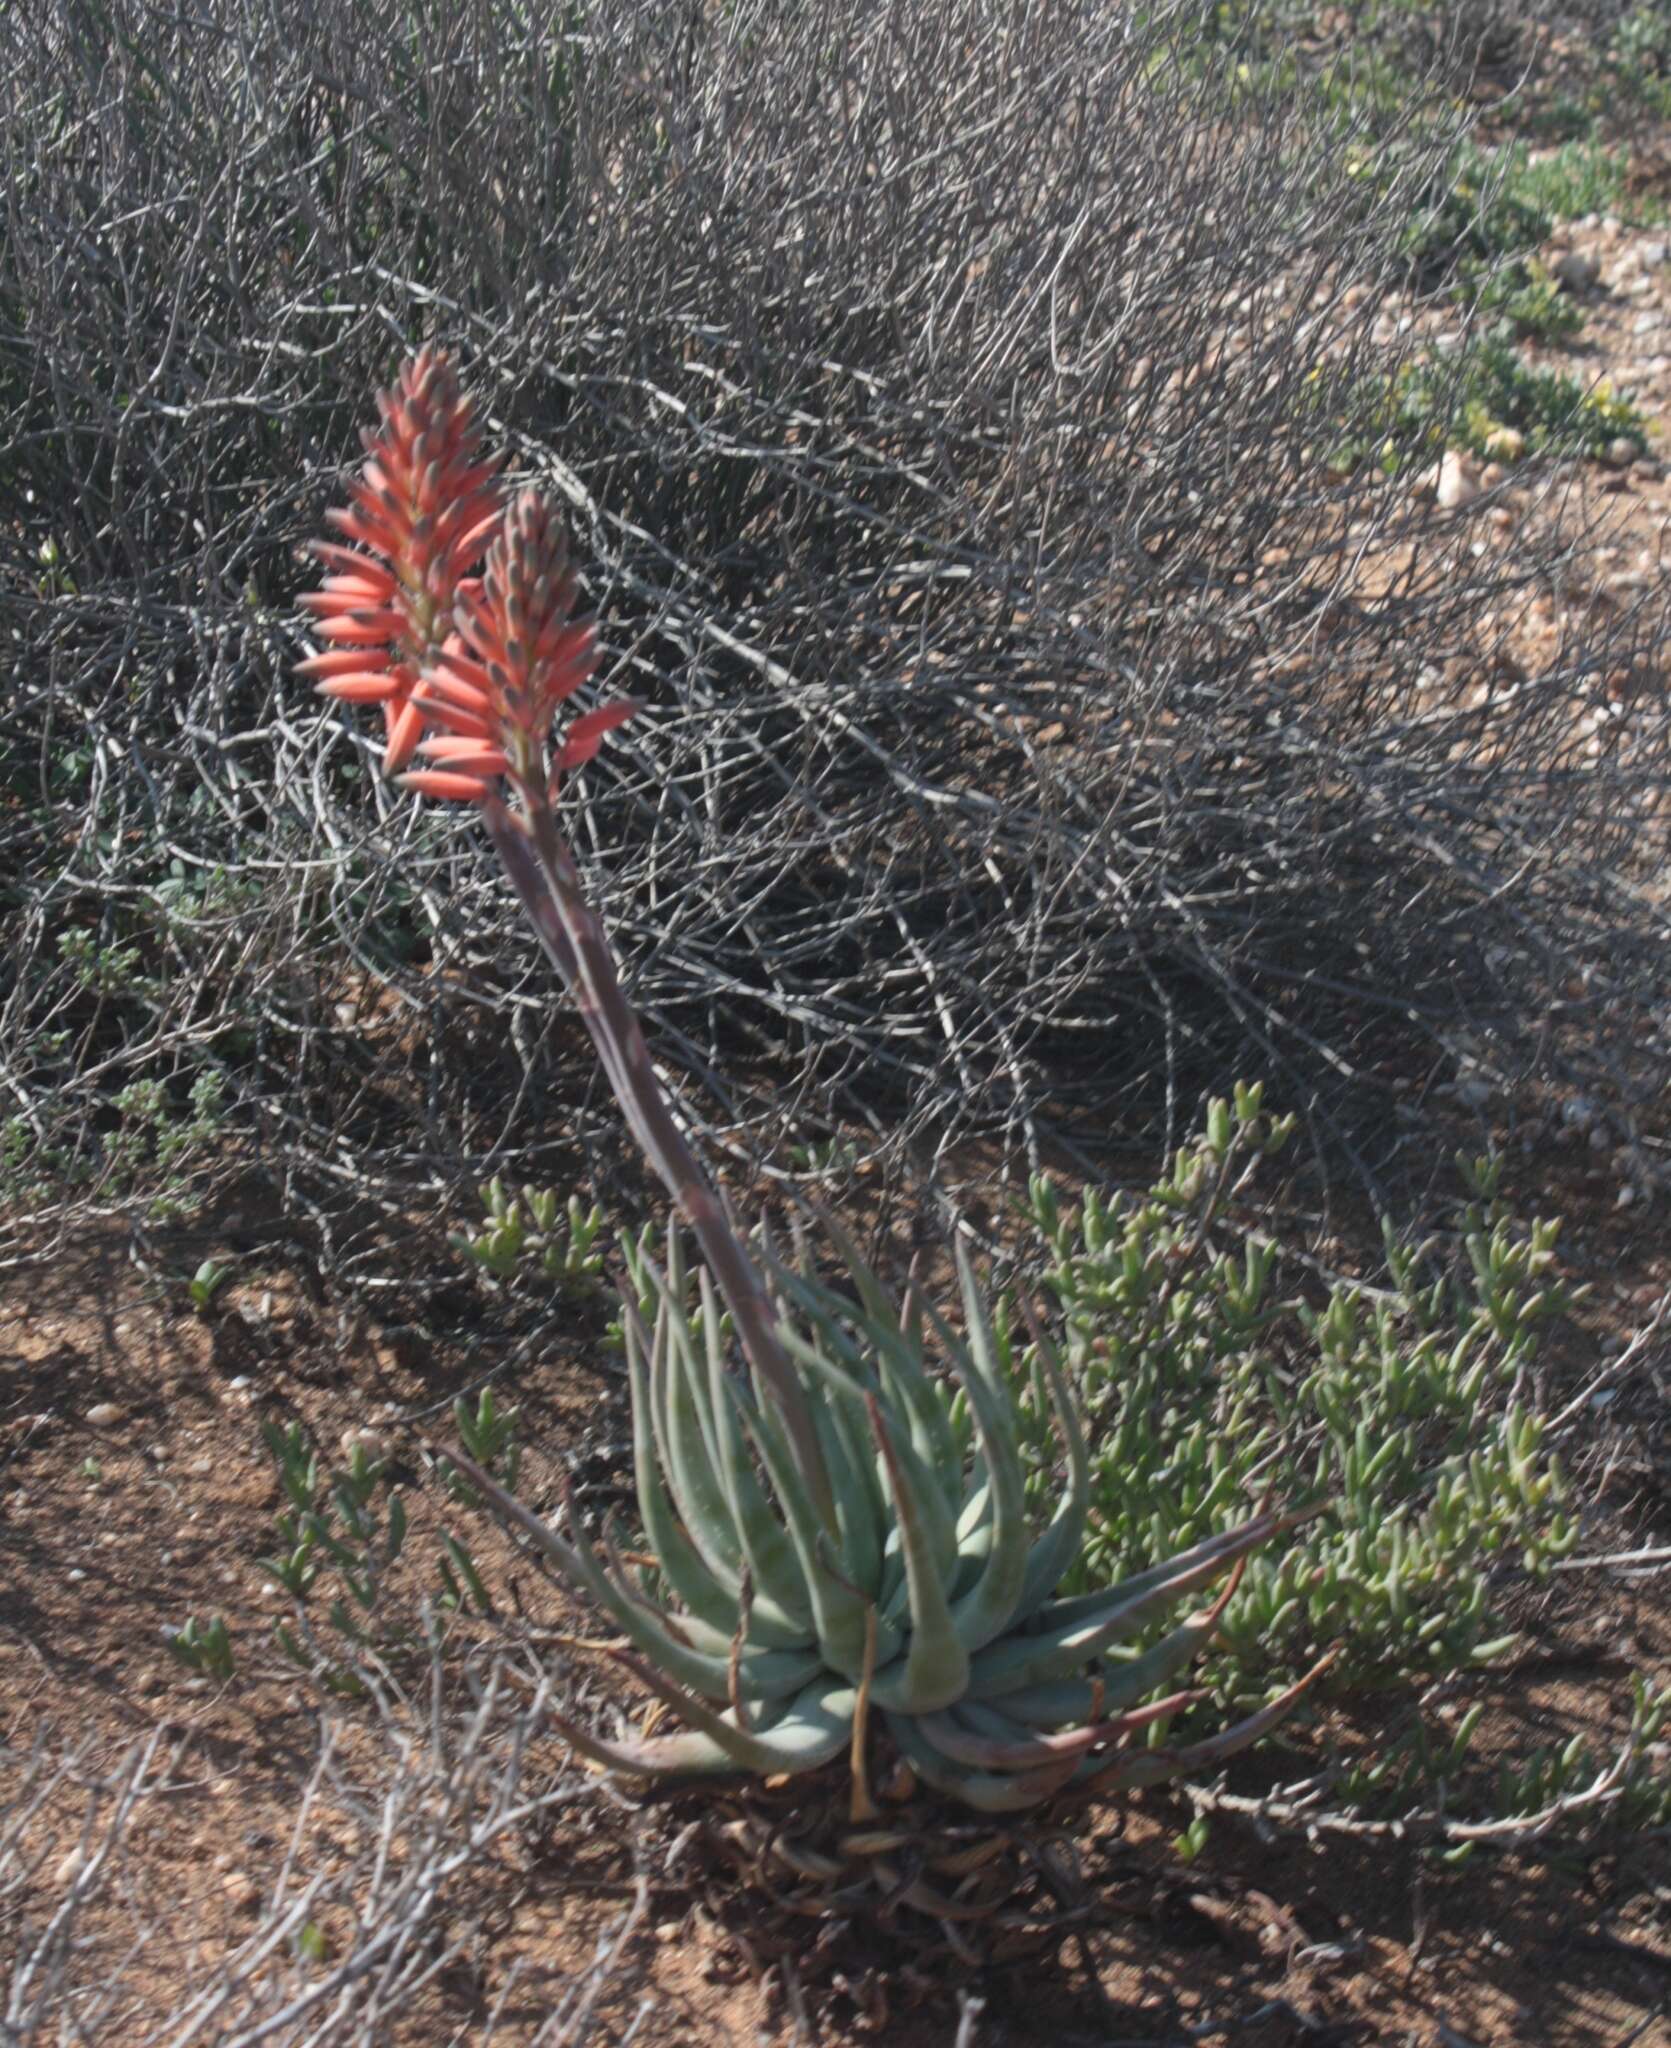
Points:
[1420,1769]
[1203,1382]
[528,1234]
[150,1153]
[1465,397]
[1475,237]
[339,1537]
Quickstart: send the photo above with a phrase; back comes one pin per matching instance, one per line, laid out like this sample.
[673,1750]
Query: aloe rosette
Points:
[893,1576]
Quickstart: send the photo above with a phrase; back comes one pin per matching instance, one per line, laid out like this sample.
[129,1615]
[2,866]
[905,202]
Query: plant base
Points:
[913,1899]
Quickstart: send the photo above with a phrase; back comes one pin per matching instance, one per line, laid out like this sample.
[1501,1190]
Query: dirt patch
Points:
[134,1491]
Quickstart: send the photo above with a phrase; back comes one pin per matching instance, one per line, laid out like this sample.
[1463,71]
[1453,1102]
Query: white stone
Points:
[1458,483]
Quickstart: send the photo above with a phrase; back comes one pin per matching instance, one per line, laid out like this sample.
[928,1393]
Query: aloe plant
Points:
[833,1492]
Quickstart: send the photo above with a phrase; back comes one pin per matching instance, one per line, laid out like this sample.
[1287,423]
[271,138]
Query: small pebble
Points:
[1457,484]
[70,1868]
[1622,452]
[104,1415]
[371,1441]
[242,1891]
[1575,272]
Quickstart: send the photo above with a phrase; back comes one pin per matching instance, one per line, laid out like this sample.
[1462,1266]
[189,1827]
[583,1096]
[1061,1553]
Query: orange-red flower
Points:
[514,658]
[424,507]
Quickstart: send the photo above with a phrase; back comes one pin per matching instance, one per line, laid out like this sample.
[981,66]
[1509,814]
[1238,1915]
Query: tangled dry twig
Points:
[1039,729]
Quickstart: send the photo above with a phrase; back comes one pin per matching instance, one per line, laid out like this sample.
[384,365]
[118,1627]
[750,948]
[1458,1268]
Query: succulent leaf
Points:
[681,1566]
[766,1547]
[1156,1767]
[838,1610]
[986,1791]
[697,1490]
[936,1669]
[813,1732]
[1058,1547]
[1060,1650]
[987,1609]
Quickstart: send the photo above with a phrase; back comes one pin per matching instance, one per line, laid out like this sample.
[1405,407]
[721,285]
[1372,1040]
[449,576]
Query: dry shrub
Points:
[373,1917]
[1040,730]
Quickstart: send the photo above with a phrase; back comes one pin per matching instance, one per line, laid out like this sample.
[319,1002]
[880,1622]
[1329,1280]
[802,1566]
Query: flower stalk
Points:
[542,870]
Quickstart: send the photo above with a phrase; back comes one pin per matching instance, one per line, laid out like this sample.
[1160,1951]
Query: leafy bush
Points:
[1396,1405]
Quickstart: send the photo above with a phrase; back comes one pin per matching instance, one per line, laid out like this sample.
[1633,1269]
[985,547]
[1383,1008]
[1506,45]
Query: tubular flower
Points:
[514,658]
[423,509]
